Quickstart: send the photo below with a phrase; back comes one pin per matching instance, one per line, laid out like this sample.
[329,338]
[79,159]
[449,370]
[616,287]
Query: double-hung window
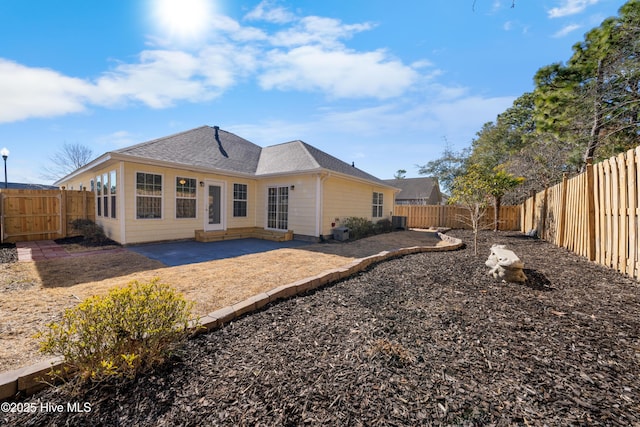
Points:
[112,191]
[98,195]
[185,197]
[148,196]
[239,200]
[377,205]
[105,195]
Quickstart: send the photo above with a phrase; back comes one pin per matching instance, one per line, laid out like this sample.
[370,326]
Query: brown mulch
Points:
[425,339]
[8,253]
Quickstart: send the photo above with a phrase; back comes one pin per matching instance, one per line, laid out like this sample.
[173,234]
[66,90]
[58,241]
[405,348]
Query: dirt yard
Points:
[34,294]
[426,339]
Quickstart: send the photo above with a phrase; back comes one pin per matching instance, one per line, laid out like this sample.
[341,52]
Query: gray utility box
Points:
[341,233]
[399,222]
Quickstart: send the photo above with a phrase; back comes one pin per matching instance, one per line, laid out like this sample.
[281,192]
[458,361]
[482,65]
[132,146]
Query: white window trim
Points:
[135,192]
[175,198]
[234,200]
[378,205]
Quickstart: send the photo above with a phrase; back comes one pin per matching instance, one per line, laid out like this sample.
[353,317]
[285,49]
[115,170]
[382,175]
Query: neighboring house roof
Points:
[211,148]
[426,189]
[25,186]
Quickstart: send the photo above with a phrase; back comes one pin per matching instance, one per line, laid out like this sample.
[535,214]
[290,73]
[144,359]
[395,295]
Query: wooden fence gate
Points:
[42,214]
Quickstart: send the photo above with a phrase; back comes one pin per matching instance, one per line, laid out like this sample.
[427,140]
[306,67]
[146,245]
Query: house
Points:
[417,191]
[207,182]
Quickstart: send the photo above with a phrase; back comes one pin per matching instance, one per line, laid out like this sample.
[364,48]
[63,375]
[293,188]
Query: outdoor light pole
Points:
[5,153]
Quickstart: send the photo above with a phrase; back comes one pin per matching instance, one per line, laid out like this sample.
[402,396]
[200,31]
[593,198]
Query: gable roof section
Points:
[204,147]
[298,156]
[416,189]
[286,158]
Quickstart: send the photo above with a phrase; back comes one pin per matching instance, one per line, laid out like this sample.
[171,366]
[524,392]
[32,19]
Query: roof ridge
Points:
[141,144]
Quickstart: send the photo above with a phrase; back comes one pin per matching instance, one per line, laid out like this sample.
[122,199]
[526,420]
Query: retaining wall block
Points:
[224,315]
[244,307]
[261,300]
[206,324]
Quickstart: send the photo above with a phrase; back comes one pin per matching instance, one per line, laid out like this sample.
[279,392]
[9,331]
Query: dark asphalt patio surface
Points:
[184,252]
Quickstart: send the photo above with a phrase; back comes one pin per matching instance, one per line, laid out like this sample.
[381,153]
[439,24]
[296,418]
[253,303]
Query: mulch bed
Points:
[426,339]
[8,253]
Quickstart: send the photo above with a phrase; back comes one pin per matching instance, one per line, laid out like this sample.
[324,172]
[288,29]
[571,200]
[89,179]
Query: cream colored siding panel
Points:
[348,198]
[302,202]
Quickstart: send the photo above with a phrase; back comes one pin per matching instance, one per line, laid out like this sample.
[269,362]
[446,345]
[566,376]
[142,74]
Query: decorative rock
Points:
[505,265]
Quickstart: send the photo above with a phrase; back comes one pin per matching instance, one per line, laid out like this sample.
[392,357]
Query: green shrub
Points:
[358,227]
[362,227]
[91,231]
[383,226]
[121,334]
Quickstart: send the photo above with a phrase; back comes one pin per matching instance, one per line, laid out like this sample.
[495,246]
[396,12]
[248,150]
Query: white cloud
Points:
[340,74]
[38,92]
[267,11]
[570,7]
[158,80]
[317,30]
[307,55]
[118,139]
[566,30]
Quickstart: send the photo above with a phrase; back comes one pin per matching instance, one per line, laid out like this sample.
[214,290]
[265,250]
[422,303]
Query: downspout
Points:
[320,179]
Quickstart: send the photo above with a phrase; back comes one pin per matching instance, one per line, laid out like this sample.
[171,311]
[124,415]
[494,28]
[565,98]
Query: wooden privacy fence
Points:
[42,214]
[594,214]
[452,216]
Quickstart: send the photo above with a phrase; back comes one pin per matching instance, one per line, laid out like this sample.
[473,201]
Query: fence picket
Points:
[42,214]
[453,216]
[594,214]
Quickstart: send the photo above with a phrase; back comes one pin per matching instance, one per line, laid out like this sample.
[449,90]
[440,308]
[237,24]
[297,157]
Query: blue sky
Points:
[383,84]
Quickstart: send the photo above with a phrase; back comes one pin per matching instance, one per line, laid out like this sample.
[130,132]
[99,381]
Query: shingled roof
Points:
[213,148]
[204,147]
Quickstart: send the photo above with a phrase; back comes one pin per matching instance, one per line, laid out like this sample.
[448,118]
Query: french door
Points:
[278,208]
[214,205]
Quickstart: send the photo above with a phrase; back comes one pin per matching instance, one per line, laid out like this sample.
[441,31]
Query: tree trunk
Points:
[596,127]
[497,201]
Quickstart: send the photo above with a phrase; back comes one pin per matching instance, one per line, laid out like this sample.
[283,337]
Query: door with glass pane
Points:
[214,205]
[278,208]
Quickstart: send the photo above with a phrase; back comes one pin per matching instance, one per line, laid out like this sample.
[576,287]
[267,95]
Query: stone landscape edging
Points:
[33,378]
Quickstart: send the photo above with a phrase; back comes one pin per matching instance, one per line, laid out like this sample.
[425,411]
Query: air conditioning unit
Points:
[399,222]
[341,233]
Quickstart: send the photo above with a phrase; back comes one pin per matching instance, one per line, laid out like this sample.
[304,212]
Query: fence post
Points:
[591,212]
[543,214]
[532,195]
[63,213]
[562,221]
[1,217]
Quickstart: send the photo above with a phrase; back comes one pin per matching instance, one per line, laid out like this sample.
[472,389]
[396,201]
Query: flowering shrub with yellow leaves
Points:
[121,334]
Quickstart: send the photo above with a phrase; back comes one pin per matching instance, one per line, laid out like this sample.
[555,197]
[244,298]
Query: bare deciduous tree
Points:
[64,161]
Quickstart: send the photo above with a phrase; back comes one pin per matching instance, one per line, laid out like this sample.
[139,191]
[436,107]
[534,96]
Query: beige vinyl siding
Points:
[348,198]
[111,226]
[302,202]
[169,227]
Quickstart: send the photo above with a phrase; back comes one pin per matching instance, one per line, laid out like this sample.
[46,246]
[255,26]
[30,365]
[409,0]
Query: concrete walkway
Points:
[190,252]
[41,250]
